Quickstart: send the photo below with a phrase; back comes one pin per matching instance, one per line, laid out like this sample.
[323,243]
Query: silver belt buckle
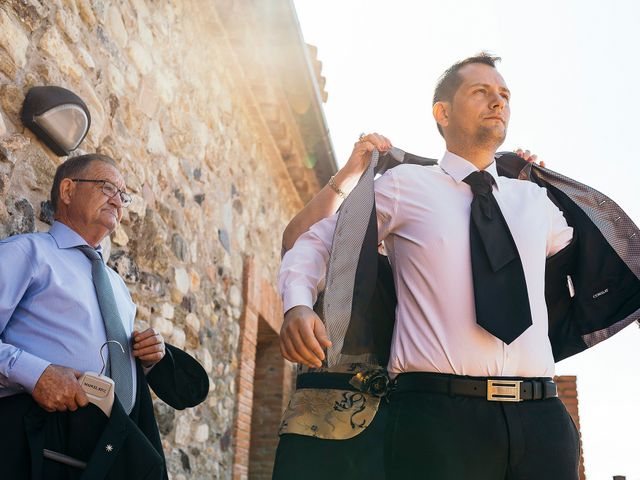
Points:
[503,390]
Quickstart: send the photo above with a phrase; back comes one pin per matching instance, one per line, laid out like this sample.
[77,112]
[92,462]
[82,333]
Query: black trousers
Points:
[75,435]
[434,436]
[309,458]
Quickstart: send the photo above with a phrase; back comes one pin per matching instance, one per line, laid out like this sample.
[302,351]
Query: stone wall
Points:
[170,101]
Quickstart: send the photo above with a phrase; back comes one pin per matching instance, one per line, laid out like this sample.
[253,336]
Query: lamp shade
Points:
[57,116]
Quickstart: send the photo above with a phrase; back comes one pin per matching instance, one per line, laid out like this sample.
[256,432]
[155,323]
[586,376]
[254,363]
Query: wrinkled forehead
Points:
[98,170]
[479,73]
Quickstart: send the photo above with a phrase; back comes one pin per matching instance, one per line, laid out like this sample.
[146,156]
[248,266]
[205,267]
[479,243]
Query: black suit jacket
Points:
[119,447]
[602,263]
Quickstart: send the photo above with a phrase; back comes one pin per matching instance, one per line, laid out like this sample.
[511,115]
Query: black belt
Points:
[374,382]
[497,389]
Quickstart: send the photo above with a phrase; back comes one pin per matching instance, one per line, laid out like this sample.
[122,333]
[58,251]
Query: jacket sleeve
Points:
[179,379]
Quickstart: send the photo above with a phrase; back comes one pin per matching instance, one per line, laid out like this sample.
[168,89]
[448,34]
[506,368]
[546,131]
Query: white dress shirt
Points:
[423,217]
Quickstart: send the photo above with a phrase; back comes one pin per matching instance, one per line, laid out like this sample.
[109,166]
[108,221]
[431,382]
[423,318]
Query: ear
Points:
[67,187]
[441,113]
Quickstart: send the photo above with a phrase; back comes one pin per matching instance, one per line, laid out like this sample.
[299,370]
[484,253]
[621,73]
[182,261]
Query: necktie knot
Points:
[481,182]
[91,253]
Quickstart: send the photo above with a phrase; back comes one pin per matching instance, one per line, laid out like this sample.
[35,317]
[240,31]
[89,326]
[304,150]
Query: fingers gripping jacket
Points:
[348,237]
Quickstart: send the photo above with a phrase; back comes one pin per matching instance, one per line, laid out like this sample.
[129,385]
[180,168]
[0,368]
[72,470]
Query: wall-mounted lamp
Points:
[57,116]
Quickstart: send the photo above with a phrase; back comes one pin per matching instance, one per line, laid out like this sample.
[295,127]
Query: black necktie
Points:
[499,286]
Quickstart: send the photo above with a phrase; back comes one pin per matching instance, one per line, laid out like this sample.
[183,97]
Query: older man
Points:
[59,305]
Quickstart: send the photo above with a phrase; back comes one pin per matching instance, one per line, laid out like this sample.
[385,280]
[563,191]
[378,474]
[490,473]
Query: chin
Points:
[493,137]
[110,224]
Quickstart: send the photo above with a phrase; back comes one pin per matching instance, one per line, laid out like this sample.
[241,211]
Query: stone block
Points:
[167,310]
[116,80]
[223,236]
[3,126]
[22,217]
[153,283]
[163,326]
[119,237]
[46,212]
[148,97]
[115,27]
[183,430]
[193,322]
[11,99]
[178,338]
[235,296]
[9,145]
[13,38]
[68,25]
[165,416]
[32,13]
[195,280]
[86,12]
[125,265]
[138,204]
[96,109]
[85,58]
[179,247]
[7,65]
[144,32]
[53,44]
[182,280]
[202,433]
[155,142]
[141,58]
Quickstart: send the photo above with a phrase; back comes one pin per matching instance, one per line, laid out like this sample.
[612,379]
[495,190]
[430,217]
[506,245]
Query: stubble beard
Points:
[490,138]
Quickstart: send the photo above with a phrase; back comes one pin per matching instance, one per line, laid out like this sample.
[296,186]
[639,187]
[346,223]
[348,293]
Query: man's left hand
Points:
[148,346]
[529,157]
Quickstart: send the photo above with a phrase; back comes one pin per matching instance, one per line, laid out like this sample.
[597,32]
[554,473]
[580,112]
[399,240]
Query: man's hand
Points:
[148,346]
[361,155]
[303,337]
[58,389]
[529,157]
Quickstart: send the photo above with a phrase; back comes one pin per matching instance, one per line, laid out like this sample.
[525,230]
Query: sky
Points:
[573,73]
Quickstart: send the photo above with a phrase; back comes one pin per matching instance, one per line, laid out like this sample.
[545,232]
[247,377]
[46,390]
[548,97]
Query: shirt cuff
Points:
[297,295]
[27,369]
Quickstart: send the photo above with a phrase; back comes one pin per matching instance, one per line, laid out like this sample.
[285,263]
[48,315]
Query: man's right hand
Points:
[303,337]
[58,389]
[361,154]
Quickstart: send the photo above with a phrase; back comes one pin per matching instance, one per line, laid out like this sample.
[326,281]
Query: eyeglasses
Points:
[109,189]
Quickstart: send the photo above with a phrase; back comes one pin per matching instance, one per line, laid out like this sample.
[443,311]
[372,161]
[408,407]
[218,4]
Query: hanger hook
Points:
[104,363]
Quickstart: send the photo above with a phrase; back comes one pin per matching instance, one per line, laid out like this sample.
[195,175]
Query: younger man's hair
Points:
[450,80]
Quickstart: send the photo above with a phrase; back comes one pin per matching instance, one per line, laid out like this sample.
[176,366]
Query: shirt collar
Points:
[458,168]
[66,237]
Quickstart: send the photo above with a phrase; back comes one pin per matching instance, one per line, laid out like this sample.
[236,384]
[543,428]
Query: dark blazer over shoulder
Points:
[121,446]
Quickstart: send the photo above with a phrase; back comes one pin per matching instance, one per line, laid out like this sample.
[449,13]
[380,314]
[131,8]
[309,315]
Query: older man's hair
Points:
[73,168]
[451,80]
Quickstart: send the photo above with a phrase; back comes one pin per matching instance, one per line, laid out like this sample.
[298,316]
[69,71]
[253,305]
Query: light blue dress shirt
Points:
[49,311]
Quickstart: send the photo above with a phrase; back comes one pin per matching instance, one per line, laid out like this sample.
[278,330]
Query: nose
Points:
[116,200]
[497,101]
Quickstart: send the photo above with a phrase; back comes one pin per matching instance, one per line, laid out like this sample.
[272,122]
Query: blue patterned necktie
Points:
[120,364]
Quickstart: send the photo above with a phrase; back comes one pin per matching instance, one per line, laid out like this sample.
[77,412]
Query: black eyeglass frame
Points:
[125,198]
